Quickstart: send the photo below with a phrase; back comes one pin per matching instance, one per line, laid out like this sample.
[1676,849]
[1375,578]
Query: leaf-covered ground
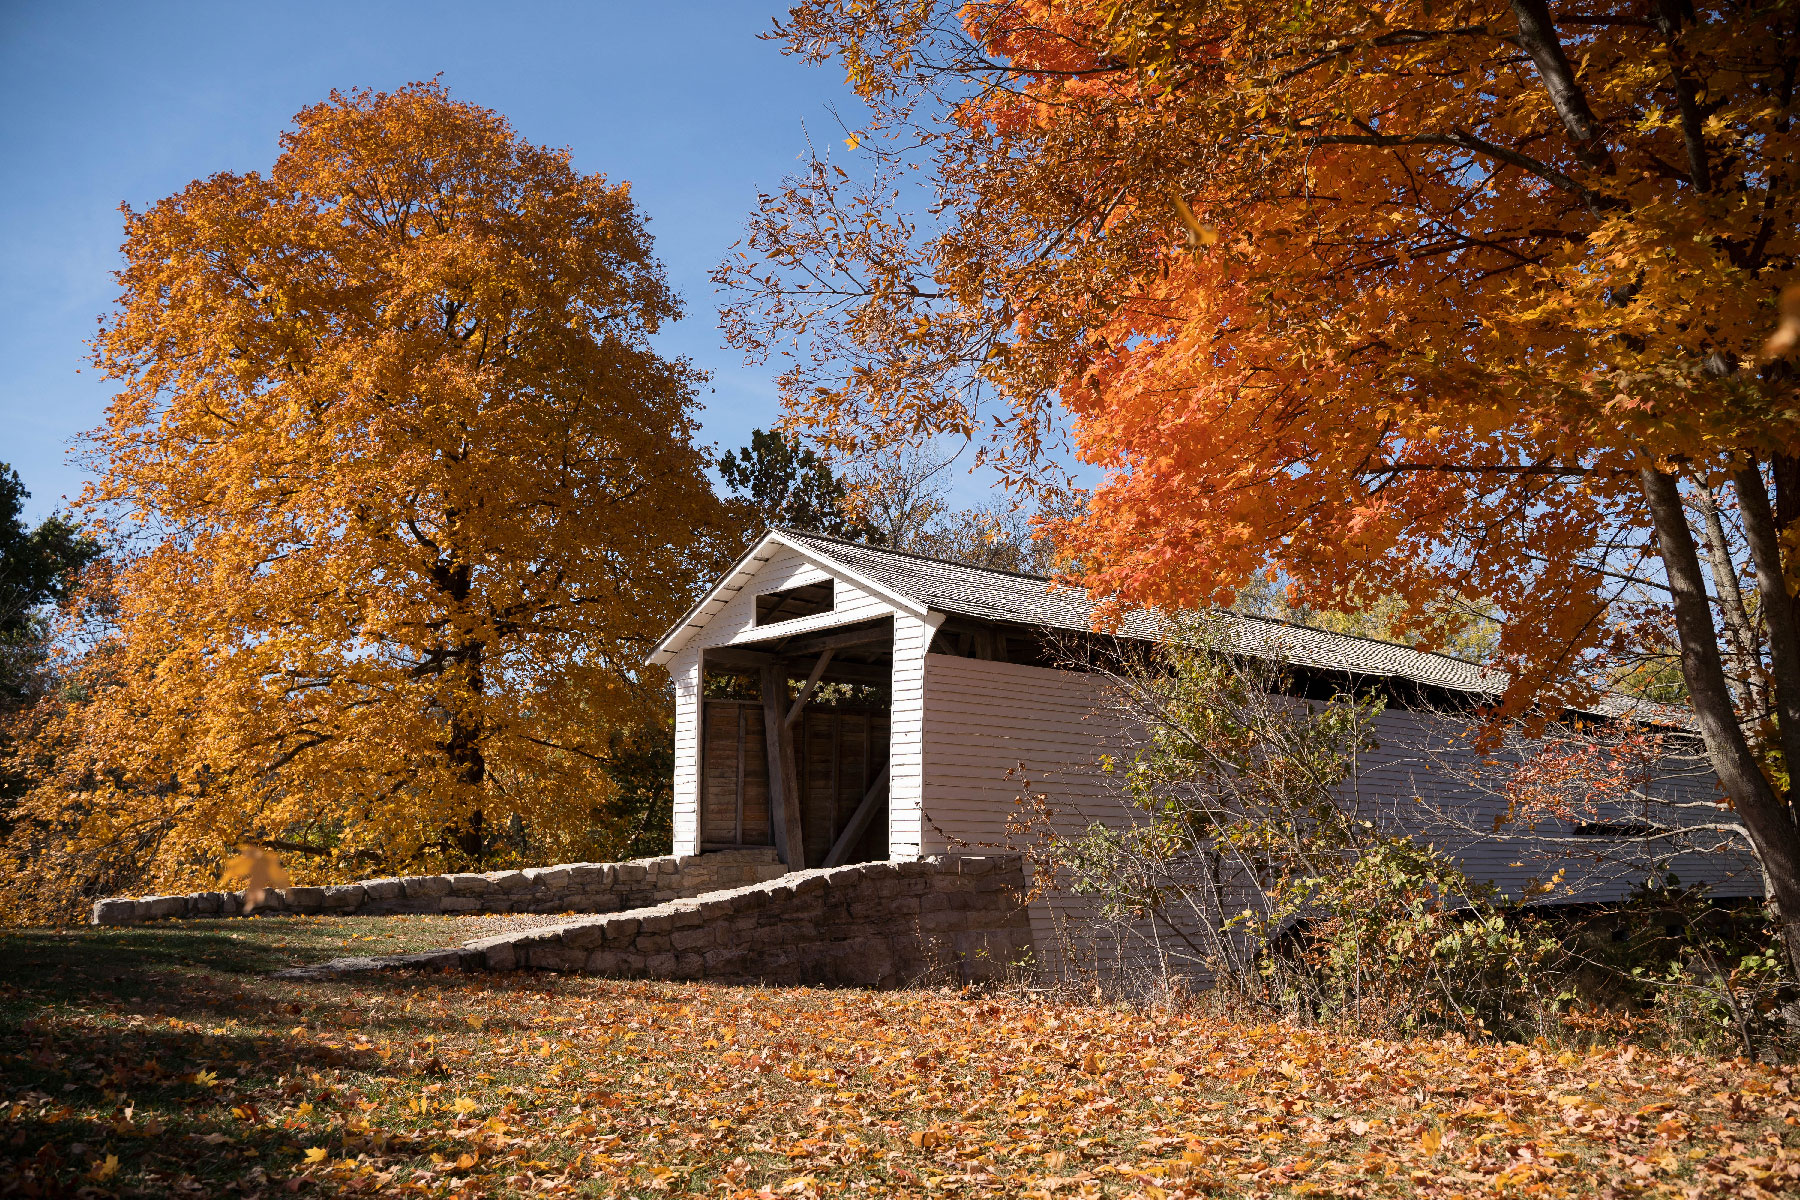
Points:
[164,1061]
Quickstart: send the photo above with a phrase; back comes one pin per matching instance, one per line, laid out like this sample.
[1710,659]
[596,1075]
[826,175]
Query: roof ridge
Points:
[1362,637]
[913,554]
[1396,670]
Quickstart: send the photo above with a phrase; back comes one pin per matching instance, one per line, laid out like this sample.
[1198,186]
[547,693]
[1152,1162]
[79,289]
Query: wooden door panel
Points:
[734,785]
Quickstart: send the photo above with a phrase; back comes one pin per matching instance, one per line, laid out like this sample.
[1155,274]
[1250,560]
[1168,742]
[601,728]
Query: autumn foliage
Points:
[1341,287]
[1403,300]
[401,496]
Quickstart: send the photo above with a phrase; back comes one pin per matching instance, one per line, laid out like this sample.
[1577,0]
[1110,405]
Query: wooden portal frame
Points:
[820,657]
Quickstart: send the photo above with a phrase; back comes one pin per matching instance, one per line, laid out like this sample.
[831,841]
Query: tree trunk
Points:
[468,761]
[1740,632]
[1778,613]
[1764,814]
[1786,470]
[463,748]
[468,767]
[1538,38]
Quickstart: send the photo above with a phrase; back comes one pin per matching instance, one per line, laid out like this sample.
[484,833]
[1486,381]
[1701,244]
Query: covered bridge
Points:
[932,693]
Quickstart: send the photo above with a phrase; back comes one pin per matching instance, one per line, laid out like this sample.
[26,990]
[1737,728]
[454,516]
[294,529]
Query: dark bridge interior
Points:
[816,705]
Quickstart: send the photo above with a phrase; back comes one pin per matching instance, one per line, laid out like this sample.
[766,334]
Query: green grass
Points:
[156,963]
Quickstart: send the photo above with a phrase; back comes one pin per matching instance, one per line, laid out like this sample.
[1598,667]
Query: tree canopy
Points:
[1402,299]
[781,481]
[402,496]
[39,567]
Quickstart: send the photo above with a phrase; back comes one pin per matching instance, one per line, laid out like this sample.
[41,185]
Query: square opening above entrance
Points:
[805,601]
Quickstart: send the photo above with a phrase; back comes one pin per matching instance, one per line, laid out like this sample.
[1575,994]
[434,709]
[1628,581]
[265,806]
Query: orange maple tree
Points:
[1398,298]
[402,495]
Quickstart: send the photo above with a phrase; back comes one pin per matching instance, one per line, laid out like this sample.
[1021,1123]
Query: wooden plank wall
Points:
[734,809]
[839,751]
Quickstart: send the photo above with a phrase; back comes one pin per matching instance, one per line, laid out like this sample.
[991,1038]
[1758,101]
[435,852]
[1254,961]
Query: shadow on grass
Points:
[52,961]
[171,1047]
[52,964]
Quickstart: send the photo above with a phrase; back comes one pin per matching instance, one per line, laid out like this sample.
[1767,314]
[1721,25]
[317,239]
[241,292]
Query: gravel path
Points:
[445,957]
[492,923]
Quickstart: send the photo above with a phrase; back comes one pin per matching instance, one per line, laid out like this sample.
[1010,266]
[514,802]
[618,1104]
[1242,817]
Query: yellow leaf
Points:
[206,1079]
[1199,234]
[464,1106]
[315,1155]
[107,1169]
[1431,1141]
[853,141]
[464,1162]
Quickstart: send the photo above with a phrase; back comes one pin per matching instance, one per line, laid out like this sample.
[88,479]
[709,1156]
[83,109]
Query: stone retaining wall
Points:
[570,887]
[872,924]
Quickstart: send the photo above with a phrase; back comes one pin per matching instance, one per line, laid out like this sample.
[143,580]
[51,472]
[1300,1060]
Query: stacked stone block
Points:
[872,924]
[570,887]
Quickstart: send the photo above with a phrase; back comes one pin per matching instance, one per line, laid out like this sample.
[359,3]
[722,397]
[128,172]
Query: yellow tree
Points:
[405,496]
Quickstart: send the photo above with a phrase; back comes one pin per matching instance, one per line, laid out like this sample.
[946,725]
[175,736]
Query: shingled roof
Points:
[940,585]
[990,595]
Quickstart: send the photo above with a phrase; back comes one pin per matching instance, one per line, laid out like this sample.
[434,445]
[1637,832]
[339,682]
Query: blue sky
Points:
[127,102]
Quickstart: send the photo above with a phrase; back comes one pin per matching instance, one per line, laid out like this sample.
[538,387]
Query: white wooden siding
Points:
[989,728]
[1420,775]
[684,672]
[994,731]
[735,623]
[907,769]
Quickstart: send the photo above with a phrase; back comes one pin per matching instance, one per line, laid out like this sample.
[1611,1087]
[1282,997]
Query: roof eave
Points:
[669,645]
